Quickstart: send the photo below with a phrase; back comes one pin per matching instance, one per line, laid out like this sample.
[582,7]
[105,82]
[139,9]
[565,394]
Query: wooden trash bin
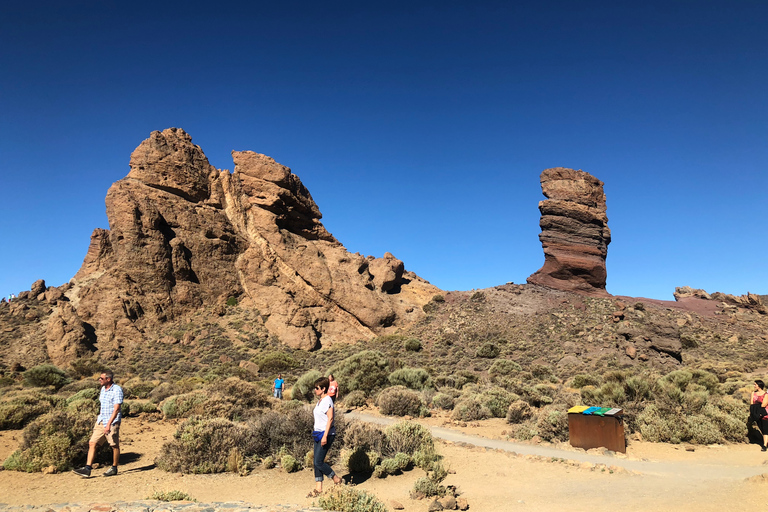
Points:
[594,431]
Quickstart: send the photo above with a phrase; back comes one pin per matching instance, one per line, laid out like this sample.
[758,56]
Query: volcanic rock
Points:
[574,233]
[183,236]
[37,288]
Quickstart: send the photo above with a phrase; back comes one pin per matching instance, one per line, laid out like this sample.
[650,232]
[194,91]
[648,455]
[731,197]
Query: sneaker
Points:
[764,449]
[111,471]
[84,472]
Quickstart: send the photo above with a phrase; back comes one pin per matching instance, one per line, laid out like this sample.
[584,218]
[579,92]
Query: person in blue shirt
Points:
[107,426]
[277,387]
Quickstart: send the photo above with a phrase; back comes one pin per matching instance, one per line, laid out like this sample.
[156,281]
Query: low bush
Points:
[399,401]
[350,499]
[552,425]
[408,437]
[413,378]
[289,433]
[504,367]
[276,362]
[367,371]
[488,351]
[518,412]
[204,445]
[412,345]
[170,496]
[358,460]
[181,406]
[19,410]
[137,388]
[470,409]
[46,375]
[354,399]
[163,391]
[582,379]
[360,434]
[137,408]
[304,387]
[497,401]
[290,464]
[443,401]
[392,466]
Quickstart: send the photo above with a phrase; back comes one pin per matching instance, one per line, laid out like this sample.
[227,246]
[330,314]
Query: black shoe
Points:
[763,449]
[84,472]
[111,471]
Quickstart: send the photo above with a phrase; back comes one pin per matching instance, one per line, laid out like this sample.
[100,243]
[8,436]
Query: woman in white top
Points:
[323,433]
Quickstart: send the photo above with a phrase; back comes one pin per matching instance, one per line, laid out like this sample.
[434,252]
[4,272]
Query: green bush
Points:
[497,401]
[276,362]
[488,351]
[443,401]
[412,345]
[367,371]
[164,390]
[232,301]
[19,410]
[203,445]
[170,496]
[137,388]
[182,406]
[413,378]
[399,401]
[408,438]
[58,438]
[582,379]
[304,387]
[470,409]
[504,367]
[392,466]
[350,499]
[354,399]
[46,375]
[290,464]
[137,408]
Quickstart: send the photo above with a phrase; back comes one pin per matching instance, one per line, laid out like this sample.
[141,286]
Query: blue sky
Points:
[420,128]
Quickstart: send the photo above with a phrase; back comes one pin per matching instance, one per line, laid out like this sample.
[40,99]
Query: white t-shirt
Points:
[321,415]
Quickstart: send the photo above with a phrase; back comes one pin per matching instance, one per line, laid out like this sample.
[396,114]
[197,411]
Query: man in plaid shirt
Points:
[107,425]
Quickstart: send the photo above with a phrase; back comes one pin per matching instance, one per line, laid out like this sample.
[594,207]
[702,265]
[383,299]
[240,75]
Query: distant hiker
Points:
[107,425]
[277,386]
[323,434]
[757,410]
[333,388]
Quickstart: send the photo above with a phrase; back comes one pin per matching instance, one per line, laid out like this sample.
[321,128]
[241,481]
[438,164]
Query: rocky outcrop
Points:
[183,235]
[574,232]
[750,301]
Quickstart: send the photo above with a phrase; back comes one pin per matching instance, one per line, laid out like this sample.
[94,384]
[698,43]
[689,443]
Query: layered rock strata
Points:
[574,232]
[184,235]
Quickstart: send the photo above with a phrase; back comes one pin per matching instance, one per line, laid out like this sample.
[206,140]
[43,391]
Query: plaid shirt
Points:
[108,398]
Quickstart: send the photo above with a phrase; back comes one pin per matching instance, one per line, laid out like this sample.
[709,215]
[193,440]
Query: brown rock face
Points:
[574,232]
[184,235]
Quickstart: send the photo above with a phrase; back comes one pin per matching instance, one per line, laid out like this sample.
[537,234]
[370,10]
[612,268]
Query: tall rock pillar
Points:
[574,232]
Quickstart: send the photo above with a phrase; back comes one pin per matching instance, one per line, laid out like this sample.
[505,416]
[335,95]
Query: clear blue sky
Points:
[420,128]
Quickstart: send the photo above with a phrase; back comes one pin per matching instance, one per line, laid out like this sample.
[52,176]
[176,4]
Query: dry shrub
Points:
[443,401]
[18,410]
[518,412]
[470,409]
[407,437]
[204,445]
[46,375]
[399,401]
[358,460]
[355,399]
[367,436]
[290,464]
[58,438]
[504,368]
[289,432]
[303,389]
[163,391]
[350,499]
[552,425]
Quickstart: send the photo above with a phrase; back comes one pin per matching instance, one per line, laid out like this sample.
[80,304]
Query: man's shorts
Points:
[113,438]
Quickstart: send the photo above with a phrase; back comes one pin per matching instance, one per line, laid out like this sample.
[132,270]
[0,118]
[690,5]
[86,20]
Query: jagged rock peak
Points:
[185,236]
[574,232]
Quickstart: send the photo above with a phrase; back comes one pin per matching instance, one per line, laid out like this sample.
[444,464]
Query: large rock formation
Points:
[184,235]
[574,232]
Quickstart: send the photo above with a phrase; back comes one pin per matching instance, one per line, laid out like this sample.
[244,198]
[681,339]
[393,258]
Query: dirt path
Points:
[490,475]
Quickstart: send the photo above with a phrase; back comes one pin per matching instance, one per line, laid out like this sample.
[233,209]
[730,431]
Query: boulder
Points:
[574,233]
[37,287]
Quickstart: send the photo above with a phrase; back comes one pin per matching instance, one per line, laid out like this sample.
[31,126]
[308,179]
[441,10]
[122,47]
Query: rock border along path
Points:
[157,506]
[697,471]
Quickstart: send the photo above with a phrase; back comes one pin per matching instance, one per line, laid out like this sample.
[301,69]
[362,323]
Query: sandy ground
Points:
[709,478]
